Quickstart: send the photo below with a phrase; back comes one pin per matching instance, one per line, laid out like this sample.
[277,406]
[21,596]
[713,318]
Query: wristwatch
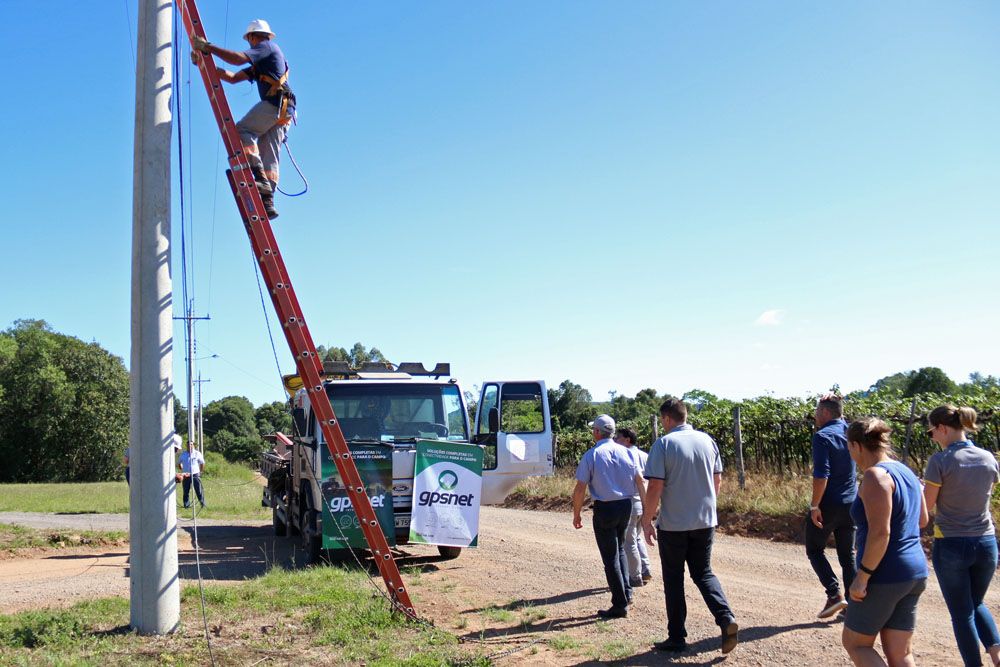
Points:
[814,508]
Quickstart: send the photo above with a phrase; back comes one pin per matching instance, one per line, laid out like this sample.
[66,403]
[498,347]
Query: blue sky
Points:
[740,197]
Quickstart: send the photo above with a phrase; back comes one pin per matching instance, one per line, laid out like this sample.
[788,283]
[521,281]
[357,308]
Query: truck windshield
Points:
[394,412]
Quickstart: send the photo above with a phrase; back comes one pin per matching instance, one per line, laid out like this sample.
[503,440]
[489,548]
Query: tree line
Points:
[64,409]
[776,432]
[64,412]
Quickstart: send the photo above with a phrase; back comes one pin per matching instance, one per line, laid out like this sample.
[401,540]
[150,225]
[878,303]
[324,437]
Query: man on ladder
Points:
[263,128]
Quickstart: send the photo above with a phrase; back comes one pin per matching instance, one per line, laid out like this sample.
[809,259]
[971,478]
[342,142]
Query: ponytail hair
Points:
[960,419]
[871,433]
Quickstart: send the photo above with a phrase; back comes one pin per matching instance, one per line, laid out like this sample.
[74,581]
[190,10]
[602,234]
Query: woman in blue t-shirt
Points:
[892,570]
[959,480]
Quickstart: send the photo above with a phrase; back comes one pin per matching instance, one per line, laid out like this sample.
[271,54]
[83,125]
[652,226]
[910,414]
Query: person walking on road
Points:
[610,473]
[834,488]
[892,570]
[959,480]
[191,464]
[635,547]
[264,127]
[684,472]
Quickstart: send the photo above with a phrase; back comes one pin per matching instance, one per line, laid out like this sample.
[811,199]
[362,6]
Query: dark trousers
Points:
[197,489]
[693,547]
[610,522]
[836,520]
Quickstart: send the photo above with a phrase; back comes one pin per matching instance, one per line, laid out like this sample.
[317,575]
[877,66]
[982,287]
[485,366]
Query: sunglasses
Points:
[931,429]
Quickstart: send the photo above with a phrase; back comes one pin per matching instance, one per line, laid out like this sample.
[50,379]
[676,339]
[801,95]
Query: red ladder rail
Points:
[293,323]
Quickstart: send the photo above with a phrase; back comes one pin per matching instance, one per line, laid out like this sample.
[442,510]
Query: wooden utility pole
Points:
[153,574]
[909,431]
[738,445]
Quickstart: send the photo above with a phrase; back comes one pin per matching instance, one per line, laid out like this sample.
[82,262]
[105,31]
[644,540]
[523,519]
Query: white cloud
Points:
[769,318]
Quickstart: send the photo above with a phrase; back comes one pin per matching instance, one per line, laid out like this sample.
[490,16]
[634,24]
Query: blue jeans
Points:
[964,567]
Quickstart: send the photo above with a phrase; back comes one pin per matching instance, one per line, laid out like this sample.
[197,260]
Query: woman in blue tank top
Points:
[892,570]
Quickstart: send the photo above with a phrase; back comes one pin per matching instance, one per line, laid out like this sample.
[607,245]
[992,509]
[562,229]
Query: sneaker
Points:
[647,577]
[730,636]
[612,613]
[672,645]
[187,505]
[636,583]
[834,604]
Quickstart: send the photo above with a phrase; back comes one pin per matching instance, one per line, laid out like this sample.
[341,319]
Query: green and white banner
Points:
[341,528]
[447,489]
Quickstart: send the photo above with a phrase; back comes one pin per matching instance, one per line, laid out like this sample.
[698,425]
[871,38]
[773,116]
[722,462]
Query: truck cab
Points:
[395,407]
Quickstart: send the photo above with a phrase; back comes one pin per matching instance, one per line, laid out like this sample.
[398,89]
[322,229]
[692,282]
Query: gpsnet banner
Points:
[447,489]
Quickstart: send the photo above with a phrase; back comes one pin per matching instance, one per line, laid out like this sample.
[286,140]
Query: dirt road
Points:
[535,576]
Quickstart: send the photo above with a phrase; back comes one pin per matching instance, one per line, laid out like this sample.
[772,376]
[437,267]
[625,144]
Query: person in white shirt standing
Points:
[190,464]
[635,546]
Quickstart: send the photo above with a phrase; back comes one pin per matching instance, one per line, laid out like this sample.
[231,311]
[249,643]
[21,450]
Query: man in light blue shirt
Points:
[684,471]
[190,464]
[612,476]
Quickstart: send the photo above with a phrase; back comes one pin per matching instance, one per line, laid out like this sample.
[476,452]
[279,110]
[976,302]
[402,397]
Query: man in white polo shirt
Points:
[190,464]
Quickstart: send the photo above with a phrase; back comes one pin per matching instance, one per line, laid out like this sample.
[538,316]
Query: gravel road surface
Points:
[529,564]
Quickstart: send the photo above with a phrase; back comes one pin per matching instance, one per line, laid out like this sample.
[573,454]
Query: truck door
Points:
[514,425]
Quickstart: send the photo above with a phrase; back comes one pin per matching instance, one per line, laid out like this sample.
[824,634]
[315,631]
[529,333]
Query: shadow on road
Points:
[708,646]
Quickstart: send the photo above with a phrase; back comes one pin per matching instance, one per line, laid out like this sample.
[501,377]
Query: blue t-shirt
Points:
[609,470]
[904,558]
[267,59]
[832,462]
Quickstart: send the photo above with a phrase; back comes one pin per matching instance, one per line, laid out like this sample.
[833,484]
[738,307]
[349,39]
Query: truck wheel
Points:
[280,527]
[312,541]
[448,553]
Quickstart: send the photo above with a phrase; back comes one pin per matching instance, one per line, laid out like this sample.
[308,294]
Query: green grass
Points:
[564,642]
[326,615]
[230,491]
[14,538]
[498,614]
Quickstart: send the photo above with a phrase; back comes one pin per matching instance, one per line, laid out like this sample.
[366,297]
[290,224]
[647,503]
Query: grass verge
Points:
[18,538]
[231,491]
[323,615]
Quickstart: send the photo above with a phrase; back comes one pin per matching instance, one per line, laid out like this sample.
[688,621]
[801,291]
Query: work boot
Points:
[263,185]
[268,200]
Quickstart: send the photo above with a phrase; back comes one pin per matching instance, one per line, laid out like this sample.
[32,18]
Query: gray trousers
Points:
[261,137]
[635,544]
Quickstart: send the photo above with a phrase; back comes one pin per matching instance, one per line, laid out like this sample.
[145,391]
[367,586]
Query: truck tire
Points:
[312,538]
[280,527]
[449,553]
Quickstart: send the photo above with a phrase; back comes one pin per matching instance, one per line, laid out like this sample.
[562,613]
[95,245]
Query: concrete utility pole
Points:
[155,588]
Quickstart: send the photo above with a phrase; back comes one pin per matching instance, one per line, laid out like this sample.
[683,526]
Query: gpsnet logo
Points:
[447,480]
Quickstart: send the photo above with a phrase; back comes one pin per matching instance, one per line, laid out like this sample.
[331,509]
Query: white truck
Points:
[396,407]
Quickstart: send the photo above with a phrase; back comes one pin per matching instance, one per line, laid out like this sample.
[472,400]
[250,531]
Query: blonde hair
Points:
[871,433]
[960,419]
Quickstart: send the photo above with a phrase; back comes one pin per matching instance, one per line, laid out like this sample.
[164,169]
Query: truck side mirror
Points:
[494,420]
[299,417]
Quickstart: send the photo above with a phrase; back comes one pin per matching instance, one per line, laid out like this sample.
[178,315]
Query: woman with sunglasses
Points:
[959,481]
[892,570]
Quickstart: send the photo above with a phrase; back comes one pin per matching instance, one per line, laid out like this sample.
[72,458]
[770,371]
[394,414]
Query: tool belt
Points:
[286,104]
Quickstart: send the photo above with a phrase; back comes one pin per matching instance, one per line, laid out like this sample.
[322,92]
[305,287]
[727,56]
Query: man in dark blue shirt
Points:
[263,128]
[834,489]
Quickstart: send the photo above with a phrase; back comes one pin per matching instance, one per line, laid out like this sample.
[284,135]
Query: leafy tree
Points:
[930,380]
[232,416]
[570,405]
[896,383]
[180,416]
[64,407]
[271,417]
[357,356]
